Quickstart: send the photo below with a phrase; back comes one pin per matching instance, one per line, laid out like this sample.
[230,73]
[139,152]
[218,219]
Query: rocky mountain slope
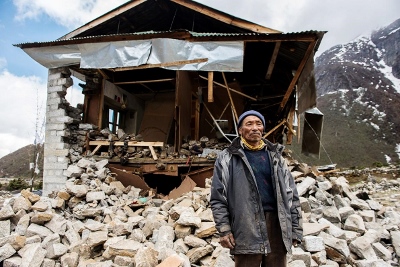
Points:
[359,93]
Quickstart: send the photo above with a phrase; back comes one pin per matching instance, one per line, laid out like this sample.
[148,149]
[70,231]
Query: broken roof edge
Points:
[184,34]
[195,6]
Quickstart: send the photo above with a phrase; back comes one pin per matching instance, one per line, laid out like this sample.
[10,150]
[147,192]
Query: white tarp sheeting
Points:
[221,56]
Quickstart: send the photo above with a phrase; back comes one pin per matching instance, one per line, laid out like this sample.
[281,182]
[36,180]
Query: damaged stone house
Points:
[164,82]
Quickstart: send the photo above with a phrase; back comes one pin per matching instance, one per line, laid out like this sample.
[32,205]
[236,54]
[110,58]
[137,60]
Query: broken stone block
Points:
[300,255]
[314,243]
[35,229]
[332,214]
[172,261]
[395,237]
[362,247]
[336,249]
[182,231]
[54,251]
[5,228]
[313,228]
[78,190]
[305,185]
[57,224]
[97,238]
[355,223]
[41,218]
[32,254]
[95,196]
[40,206]
[345,212]
[33,198]
[359,204]
[381,251]
[194,242]
[297,263]
[367,215]
[145,257]
[6,212]
[319,257]
[127,248]
[70,259]
[205,230]
[180,246]
[21,203]
[195,254]
[13,262]
[6,252]
[189,218]
[73,171]
[123,261]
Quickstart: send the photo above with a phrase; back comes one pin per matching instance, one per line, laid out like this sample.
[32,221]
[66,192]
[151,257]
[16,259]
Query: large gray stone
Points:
[355,223]
[6,252]
[305,185]
[362,247]
[146,257]
[313,243]
[6,212]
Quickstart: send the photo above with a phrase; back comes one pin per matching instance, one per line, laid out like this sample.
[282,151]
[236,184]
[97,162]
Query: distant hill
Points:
[16,164]
[359,94]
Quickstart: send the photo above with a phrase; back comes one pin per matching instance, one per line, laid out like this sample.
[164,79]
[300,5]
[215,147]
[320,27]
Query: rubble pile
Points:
[189,148]
[96,221]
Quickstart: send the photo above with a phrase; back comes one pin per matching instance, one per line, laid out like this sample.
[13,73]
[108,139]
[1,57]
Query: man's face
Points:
[251,129]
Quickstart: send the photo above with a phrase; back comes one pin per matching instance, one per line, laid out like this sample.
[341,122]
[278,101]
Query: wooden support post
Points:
[230,97]
[210,86]
[296,76]
[273,60]
[273,129]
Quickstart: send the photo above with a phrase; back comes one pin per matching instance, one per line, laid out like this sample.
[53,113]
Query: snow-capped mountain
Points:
[359,93]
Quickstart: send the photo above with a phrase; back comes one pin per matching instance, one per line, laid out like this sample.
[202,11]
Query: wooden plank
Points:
[160,65]
[233,90]
[96,149]
[296,76]
[273,129]
[184,88]
[147,81]
[104,18]
[153,153]
[230,97]
[228,19]
[101,105]
[210,86]
[273,60]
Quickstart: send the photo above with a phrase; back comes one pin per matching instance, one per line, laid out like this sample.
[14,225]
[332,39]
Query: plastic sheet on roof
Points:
[221,56]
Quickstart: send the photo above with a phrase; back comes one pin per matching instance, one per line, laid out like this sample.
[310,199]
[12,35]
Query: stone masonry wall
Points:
[56,148]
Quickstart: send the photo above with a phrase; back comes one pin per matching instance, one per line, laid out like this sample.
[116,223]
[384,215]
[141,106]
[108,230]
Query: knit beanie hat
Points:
[250,113]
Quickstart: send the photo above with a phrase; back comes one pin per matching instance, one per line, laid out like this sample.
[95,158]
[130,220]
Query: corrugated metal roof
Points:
[192,34]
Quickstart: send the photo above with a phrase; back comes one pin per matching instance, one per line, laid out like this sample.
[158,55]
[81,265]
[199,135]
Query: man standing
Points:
[254,199]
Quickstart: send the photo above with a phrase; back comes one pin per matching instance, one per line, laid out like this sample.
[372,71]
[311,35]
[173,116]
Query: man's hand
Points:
[295,242]
[227,241]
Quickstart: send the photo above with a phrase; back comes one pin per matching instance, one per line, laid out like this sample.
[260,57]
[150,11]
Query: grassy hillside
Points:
[16,164]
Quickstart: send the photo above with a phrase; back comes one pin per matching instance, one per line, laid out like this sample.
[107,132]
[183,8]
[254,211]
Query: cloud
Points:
[23,100]
[70,14]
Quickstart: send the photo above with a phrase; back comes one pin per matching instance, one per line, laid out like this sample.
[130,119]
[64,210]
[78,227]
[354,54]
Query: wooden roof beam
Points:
[228,19]
[273,60]
[113,13]
[296,76]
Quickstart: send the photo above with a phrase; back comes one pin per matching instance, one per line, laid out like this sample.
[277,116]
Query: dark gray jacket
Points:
[236,203]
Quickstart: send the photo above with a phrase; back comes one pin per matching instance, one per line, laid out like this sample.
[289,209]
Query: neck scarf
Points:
[260,145]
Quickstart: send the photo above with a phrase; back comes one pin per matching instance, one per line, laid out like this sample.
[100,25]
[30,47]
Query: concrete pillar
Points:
[56,150]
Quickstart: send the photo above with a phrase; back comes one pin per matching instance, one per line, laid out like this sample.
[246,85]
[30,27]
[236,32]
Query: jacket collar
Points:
[237,146]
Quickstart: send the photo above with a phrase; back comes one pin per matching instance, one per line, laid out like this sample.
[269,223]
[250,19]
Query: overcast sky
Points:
[23,81]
